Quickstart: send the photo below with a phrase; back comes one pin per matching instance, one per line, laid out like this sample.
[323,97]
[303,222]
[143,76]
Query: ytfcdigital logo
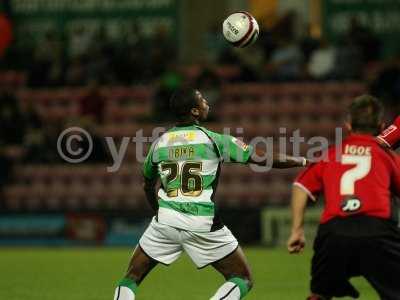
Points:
[75,145]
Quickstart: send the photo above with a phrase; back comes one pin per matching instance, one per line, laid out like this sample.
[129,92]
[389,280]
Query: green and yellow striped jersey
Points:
[187,161]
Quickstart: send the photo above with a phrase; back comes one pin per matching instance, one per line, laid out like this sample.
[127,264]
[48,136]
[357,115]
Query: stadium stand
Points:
[314,108]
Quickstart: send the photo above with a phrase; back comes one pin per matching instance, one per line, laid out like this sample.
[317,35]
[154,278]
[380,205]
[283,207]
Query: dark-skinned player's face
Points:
[201,111]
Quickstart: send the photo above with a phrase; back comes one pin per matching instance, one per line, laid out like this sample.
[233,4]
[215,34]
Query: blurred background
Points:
[110,68]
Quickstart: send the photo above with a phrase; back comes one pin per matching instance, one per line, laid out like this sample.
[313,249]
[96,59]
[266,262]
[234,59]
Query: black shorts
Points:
[370,252]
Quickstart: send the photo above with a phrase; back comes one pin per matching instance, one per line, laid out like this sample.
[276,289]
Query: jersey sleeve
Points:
[391,135]
[310,180]
[149,167]
[234,150]
[230,149]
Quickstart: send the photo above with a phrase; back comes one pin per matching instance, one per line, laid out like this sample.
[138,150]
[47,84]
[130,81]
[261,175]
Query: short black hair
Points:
[366,114]
[182,101]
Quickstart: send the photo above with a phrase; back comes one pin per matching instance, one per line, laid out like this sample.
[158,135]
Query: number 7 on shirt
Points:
[362,167]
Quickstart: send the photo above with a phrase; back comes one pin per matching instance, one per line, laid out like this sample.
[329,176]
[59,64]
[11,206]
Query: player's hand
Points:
[309,162]
[296,242]
[302,161]
[391,135]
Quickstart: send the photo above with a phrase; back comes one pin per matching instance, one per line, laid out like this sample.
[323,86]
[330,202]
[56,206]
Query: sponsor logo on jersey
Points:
[351,205]
[182,136]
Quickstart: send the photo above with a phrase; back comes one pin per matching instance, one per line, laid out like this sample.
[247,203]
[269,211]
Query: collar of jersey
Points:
[360,136]
[184,126]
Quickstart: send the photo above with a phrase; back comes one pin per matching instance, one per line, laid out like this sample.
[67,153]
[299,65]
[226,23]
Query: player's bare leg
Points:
[237,272]
[139,266]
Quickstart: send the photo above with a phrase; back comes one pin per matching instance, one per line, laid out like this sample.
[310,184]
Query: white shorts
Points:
[165,244]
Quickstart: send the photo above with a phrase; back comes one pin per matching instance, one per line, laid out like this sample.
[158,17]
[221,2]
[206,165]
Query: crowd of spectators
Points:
[74,58]
[91,58]
[283,54]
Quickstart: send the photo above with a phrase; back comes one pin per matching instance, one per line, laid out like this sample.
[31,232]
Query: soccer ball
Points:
[240,29]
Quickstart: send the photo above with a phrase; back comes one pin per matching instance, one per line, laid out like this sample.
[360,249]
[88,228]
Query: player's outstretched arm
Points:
[296,241]
[390,137]
[150,190]
[278,160]
[282,161]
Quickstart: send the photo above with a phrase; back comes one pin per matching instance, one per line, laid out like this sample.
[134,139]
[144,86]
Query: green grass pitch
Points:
[90,274]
